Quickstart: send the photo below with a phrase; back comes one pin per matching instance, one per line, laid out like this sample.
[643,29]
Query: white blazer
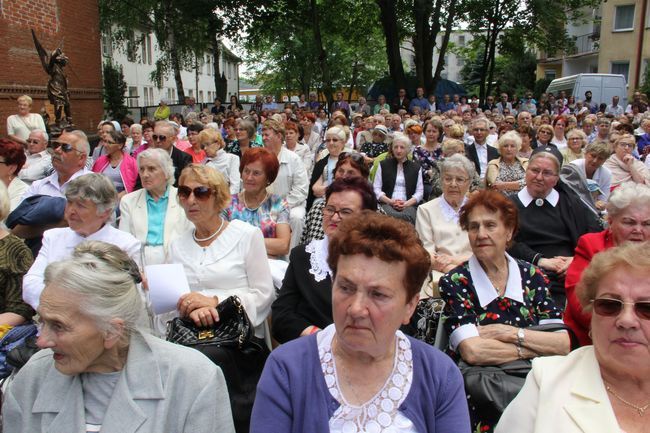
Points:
[134,218]
[562,394]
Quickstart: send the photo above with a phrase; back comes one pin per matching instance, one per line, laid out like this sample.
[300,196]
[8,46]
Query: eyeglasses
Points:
[330,211]
[65,147]
[355,157]
[3,162]
[457,180]
[162,138]
[626,145]
[575,139]
[546,174]
[201,193]
[33,141]
[612,307]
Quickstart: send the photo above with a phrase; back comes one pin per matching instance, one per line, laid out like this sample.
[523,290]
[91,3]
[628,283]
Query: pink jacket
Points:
[128,169]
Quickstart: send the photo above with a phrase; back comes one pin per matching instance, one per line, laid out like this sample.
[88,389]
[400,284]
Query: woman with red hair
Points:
[12,159]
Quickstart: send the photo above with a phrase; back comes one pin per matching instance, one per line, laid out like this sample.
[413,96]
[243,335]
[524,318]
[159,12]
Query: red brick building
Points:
[73,24]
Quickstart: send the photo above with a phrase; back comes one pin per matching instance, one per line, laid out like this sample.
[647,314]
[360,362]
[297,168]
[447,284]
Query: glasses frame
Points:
[201,193]
[65,147]
[599,303]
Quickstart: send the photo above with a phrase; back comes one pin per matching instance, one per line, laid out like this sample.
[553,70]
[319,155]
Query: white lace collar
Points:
[449,212]
[485,289]
[317,250]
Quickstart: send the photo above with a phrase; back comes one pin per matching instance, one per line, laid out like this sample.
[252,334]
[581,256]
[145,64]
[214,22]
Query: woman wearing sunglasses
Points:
[221,259]
[623,165]
[628,215]
[604,387]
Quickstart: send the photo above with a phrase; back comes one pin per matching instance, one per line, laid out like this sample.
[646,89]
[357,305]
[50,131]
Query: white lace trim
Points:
[380,413]
[448,212]
[317,250]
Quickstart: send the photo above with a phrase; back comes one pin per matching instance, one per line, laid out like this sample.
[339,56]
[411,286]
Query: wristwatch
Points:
[520,337]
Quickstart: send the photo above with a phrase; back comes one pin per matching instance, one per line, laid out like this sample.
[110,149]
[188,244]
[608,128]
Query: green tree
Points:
[645,87]
[114,91]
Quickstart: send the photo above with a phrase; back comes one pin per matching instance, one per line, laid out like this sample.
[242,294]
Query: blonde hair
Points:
[210,177]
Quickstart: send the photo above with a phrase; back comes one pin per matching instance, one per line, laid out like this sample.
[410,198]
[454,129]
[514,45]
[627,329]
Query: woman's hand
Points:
[193,301]
[398,205]
[497,331]
[204,316]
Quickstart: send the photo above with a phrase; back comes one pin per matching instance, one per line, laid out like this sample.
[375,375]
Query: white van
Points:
[603,87]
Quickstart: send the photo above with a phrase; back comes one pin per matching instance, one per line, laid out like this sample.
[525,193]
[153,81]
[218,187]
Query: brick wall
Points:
[73,24]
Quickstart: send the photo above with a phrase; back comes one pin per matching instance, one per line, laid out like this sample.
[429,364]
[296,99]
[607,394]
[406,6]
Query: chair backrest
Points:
[442,339]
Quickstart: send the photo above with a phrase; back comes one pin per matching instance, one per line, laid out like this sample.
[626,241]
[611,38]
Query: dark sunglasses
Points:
[613,307]
[354,156]
[65,147]
[33,141]
[162,138]
[201,193]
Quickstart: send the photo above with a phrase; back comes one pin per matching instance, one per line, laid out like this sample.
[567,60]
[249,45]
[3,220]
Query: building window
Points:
[201,97]
[131,48]
[644,68]
[624,18]
[550,74]
[191,93]
[622,68]
[107,45]
[461,41]
[133,97]
[460,62]
[146,49]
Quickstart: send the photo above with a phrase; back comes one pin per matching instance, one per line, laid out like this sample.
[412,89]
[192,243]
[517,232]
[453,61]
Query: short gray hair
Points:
[626,195]
[510,136]
[400,137]
[546,155]
[577,132]
[136,127]
[162,158]
[337,131]
[103,278]
[457,161]
[43,134]
[598,148]
[83,140]
[94,187]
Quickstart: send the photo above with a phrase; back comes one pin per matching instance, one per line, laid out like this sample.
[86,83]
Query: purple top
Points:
[292,395]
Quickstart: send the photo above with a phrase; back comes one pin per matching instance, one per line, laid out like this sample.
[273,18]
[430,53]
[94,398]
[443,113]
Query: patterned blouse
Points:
[427,160]
[510,173]
[273,211]
[373,150]
[233,147]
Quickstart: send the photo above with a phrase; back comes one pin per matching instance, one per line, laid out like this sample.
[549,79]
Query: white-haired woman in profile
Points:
[97,371]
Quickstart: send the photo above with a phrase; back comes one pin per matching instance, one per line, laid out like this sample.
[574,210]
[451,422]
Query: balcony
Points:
[584,44]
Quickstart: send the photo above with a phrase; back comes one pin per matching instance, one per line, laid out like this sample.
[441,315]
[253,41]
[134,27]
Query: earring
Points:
[589,334]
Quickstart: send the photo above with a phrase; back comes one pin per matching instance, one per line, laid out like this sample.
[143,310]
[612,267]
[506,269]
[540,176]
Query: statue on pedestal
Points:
[57,86]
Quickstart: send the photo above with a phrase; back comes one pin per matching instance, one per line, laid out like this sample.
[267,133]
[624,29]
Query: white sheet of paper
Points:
[166,284]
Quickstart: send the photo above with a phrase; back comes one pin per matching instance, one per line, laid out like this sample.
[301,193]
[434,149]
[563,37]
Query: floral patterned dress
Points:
[271,212]
[463,307]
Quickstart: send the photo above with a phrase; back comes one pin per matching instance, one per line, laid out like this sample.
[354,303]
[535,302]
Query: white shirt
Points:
[16,191]
[292,182]
[235,263]
[59,243]
[21,126]
[305,154]
[481,151]
[602,176]
[228,165]
[399,190]
[50,185]
[37,167]
[553,197]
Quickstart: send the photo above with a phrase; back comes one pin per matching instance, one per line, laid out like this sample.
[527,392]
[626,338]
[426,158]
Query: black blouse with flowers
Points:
[462,305]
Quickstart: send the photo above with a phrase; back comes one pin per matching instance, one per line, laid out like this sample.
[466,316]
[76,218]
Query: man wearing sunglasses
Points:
[69,155]
[39,161]
[164,137]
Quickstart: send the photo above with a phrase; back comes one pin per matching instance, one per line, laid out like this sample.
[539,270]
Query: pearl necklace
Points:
[211,236]
[243,196]
[640,409]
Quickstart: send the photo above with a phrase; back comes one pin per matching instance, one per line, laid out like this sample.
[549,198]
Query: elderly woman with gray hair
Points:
[91,201]
[97,371]
[507,172]
[398,181]
[437,221]
[153,214]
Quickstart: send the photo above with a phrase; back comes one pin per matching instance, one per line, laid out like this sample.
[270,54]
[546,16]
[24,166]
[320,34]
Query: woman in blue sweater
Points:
[361,373]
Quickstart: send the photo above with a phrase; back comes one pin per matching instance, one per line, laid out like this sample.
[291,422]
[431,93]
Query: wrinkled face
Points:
[488,236]
[400,151]
[198,210]
[136,136]
[622,342]
[152,175]
[455,184]
[369,303]
[334,144]
[396,122]
[83,218]
[163,137]
[624,147]
[111,145]
[340,205]
[147,133]
[291,136]
[544,135]
[346,170]
[632,224]
[78,345]
[603,129]
[271,138]
[70,161]
[508,150]
[541,177]
[254,177]
[23,107]
[525,118]
[593,161]
[36,143]
[575,144]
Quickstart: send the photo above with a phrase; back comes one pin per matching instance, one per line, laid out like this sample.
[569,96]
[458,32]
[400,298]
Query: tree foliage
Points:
[300,45]
[114,90]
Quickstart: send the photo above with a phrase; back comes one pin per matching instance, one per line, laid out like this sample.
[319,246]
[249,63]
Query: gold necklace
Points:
[640,409]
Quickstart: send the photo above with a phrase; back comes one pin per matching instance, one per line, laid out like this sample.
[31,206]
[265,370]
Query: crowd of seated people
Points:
[354,241]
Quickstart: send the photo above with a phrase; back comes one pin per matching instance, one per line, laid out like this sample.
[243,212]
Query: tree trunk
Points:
[451,17]
[215,68]
[176,66]
[388,16]
[322,54]
[353,80]
[421,15]
[492,55]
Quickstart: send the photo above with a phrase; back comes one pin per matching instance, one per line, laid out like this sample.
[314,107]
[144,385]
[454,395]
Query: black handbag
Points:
[233,329]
